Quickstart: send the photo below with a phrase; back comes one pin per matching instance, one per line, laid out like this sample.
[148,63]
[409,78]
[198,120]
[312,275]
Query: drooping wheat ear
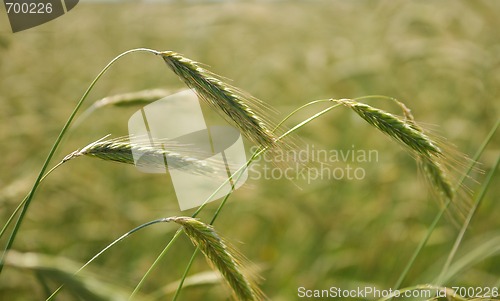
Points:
[431,157]
[152,154]
[219,255]
[237,107]
[436,171]
[433,168]
[396,128]
[137,98]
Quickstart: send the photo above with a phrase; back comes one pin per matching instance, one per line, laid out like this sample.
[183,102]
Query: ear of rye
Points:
[429,155]
[153,154]
[227,100]
[396,128]
[219,255]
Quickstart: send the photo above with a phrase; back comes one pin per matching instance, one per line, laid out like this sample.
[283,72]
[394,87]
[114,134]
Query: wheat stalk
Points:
[154,153]
[223,258]
[138,98]
[237,107]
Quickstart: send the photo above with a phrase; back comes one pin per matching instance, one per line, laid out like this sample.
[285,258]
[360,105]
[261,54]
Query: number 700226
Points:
[475,292]
[28,8]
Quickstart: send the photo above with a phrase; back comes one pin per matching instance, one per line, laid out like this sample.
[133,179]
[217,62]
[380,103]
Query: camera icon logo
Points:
[199,158]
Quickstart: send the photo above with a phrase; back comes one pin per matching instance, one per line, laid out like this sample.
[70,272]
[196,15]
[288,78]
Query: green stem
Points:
[155,263]
[375,97]
[299,109]
[184,275]
[53,150]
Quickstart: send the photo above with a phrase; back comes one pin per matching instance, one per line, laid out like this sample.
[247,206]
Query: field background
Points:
[441,58]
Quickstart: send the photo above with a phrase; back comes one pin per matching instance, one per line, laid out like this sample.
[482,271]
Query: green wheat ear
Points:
[239,108]
[431,158]
[219,255]
[153,154]
[396,128]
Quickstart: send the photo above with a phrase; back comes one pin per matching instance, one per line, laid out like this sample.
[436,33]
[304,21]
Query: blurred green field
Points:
[441,58]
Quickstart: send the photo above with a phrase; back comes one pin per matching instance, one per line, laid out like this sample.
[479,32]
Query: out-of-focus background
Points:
[441,58]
